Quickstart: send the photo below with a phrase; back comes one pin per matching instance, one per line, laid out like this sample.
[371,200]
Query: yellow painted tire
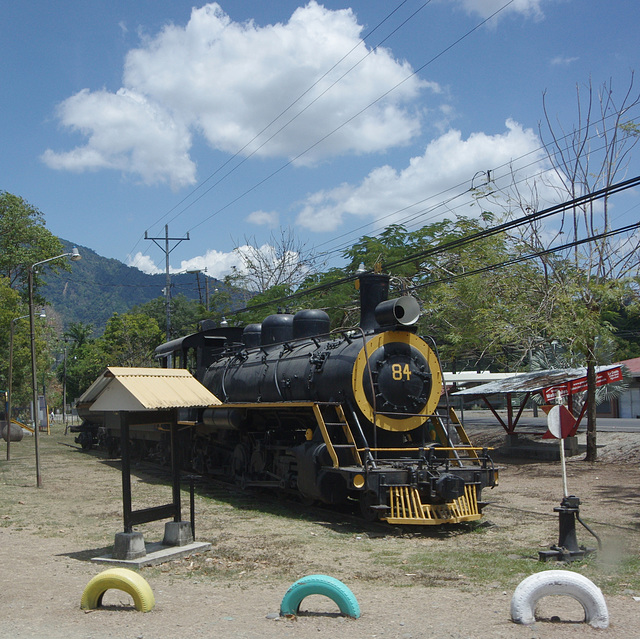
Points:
[123,579]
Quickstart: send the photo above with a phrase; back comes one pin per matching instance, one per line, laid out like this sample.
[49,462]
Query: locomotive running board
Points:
[406,507]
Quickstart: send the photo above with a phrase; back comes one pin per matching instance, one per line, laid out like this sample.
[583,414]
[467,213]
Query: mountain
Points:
[95,287]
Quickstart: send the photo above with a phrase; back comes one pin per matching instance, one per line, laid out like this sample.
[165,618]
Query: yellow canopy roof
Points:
[140,389]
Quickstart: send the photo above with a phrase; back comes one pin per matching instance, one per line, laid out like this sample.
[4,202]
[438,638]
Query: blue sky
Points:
[120,117]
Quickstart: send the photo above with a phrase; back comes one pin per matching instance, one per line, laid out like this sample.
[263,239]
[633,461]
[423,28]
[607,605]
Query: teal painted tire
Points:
[320,585]
[123,579]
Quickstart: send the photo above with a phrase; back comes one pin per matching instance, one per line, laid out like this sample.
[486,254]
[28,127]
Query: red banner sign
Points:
[579,385]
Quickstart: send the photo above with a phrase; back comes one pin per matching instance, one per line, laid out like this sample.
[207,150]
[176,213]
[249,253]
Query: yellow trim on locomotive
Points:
[360,372]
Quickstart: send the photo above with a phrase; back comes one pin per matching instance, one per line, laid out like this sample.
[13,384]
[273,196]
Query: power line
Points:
[441,248]
[350,119]
[282,113]
[529,256]
[500,228]
[255,186]
[422,212]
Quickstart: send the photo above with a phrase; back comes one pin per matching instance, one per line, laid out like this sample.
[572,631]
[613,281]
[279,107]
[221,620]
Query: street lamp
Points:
[10,391]
[74,256]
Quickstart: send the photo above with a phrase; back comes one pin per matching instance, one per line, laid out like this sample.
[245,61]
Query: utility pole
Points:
[167,251]
[197,272]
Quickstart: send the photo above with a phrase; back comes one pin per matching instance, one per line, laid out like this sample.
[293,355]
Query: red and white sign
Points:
[560,422]
[579,385]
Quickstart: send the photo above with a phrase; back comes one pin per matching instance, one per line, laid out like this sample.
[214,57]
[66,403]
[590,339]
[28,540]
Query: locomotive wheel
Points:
[368,500]
[84,439]
[123,579]
[320,585]
[306,501]
[197,456]
[241,457]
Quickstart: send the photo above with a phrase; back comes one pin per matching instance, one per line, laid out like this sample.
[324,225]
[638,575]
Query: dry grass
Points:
[256,538]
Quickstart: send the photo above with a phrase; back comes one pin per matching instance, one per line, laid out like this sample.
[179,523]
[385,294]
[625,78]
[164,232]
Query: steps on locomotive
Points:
[329,428]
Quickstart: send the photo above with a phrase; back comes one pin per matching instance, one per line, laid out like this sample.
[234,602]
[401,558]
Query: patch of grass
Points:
[506,569]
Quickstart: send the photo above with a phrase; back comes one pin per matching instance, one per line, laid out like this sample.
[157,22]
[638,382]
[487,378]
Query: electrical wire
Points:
[441,248]
[530,256]
[415,215]
[349,120]
[420,216]
[274,120]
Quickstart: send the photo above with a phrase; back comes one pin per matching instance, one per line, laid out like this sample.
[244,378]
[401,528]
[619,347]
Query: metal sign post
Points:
[560,423]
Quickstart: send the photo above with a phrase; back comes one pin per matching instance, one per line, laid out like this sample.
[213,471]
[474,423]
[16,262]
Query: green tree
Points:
[84,365]
[185,314]
[24,240]
[584,281]
[79,333]
[340,301]
[624,320]
[603,273]
[131,338]
[12,308]
[479,314]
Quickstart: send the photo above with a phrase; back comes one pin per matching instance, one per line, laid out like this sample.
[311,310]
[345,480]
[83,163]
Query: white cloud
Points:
[227,81]
[563,61]
[448,163]
[144,263]
[270,219]
[485,8]
[127,132]
[216,263]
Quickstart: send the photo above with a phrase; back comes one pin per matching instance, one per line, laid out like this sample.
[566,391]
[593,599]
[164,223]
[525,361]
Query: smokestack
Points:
[374,288]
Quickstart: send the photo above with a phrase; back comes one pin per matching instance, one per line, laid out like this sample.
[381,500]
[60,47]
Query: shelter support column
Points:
[128,544]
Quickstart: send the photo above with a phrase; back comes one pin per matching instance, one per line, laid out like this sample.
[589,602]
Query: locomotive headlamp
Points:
[403,311]
[358,481]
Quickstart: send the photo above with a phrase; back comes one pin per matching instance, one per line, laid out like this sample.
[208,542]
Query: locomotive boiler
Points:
[355,416]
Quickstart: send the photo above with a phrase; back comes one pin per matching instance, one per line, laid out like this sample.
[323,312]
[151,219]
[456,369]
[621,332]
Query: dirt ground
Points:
[455,582]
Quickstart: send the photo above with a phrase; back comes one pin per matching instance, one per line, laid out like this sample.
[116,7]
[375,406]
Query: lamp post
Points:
[74,256]
[64,385]
[10,391]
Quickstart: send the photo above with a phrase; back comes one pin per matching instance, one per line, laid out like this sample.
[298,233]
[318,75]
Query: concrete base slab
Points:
[157,553]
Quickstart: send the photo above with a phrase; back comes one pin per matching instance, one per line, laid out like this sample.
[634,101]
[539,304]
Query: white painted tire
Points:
[559,582]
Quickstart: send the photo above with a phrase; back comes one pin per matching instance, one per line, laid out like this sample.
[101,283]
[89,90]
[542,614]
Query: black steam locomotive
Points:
[335,416]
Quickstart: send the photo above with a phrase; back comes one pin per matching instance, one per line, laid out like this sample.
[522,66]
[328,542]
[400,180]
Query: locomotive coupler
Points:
[567,548]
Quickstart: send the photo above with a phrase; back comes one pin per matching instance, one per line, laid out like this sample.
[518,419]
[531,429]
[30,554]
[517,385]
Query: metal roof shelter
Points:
[145,389]
[565,382]
[131,391]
